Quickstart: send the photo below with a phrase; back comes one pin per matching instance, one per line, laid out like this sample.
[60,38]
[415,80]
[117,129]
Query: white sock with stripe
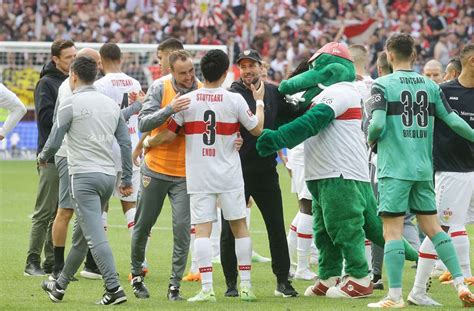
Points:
[368,253]
[243,251]
[303,241]
[194,265]
[204,260]
[426,261]
[130,218]
[292,237]
[461,244]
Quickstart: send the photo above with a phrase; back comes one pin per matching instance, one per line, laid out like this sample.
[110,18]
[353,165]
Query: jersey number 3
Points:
[209,136]
[415,109]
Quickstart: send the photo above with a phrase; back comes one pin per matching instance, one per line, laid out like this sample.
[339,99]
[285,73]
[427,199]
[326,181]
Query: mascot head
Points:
[329,65]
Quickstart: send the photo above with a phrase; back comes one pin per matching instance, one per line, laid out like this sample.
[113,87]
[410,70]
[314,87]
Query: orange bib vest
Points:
[168,159]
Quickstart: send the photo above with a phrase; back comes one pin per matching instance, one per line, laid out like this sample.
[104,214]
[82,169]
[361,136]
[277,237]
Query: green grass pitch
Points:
[18,185]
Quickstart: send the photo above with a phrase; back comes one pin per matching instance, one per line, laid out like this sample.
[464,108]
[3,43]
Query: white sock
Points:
[303,241]
[292,237]
[243,251]
[204,260]
[368,253]
[130,218]
[440,265]
[426,261]
[462,245]
[216,235]
[395,293]
[247,219]
[104,220]
[194,265]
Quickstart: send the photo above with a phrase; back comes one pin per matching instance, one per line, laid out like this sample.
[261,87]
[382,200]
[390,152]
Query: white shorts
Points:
[454,197]
[203,206]
[135,184]
[298,183]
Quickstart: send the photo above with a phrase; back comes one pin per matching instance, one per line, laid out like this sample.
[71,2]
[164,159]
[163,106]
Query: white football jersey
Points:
[117,86]
[340,148]
[211,125]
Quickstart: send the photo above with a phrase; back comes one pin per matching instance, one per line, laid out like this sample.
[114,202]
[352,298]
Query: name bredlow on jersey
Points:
[415,133]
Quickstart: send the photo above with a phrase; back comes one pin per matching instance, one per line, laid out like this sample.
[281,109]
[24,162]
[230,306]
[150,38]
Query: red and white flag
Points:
[361,32]
[207,13]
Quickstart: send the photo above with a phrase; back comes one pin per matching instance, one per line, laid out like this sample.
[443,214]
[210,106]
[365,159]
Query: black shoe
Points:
[231,290]
[378,285]
[33,269]
[114,298]
[173,293]
[284,289]
[47,269]
[54,293]
[139,288]
[55,275]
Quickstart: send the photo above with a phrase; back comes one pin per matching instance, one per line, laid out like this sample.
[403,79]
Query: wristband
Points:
[260,103]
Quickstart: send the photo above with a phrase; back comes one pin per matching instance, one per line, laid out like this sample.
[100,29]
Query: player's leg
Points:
[423,203]
[129,203]
[43,215]
[267,195]
[234,210]
[150,202]
[256,257]
[193,274]
[203,213]
[394,200]
[330,257]
[304,240]
[216,236]
[179,199]
[63,216]
[292,239]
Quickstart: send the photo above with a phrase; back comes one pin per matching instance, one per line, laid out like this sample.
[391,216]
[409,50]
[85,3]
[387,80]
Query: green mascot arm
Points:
[327,75]
[295,132]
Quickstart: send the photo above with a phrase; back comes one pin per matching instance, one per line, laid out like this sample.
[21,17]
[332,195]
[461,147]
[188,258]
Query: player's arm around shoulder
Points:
[152,115]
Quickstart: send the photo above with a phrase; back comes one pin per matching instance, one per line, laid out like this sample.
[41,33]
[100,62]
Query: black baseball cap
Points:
[249,54]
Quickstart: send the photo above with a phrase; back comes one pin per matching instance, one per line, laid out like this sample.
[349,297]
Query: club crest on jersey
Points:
[146,180]
[447,214]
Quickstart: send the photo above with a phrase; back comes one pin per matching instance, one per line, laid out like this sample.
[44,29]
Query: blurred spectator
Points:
[297,27]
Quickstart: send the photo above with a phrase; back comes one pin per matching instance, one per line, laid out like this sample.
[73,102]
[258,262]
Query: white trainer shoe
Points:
[421,299]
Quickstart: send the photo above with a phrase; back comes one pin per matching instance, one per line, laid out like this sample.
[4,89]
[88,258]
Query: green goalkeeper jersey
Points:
[405,145]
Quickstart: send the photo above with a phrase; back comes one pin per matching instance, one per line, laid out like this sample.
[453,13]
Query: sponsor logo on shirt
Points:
[453,98]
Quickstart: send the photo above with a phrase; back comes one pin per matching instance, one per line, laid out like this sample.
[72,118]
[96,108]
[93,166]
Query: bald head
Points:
[433,70]
[89,52]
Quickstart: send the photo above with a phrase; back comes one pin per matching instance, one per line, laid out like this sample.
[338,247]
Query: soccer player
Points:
[453,69]
[9,101]
[213,167]
[433,69]
[46,93]
[90,120]
[117,85]
[405,104]
[65,205]
[454,179]
[163,174]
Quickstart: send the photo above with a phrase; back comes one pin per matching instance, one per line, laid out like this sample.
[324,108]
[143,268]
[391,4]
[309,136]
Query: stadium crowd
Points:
[282,31]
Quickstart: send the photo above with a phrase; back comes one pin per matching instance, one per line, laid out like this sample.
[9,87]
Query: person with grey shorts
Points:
[90,121]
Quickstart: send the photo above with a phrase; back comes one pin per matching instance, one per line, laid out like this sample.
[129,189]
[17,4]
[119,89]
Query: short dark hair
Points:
[401,44]
[214,64]
[59,45]
[358,53]
[178,55]
[465,52]
[456,63]
[110,51]
[382,62]
[85,67]
[170,44]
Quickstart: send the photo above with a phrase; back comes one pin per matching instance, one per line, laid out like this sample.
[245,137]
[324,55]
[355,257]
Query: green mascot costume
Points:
[336,169]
